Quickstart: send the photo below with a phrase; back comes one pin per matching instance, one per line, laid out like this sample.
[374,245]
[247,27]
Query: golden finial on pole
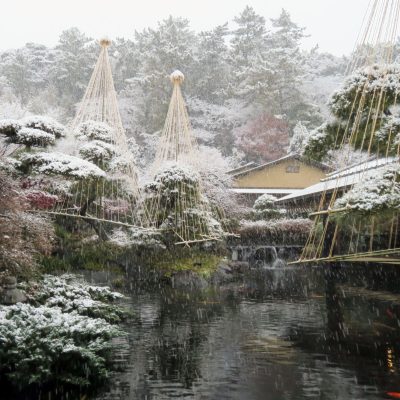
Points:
[105,42]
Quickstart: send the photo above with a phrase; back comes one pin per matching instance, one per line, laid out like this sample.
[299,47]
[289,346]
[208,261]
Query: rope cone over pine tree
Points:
[175,200]
[358,214]
[176,142]
[112,195]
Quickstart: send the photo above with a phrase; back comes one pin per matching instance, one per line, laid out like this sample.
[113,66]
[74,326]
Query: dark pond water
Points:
[294,334]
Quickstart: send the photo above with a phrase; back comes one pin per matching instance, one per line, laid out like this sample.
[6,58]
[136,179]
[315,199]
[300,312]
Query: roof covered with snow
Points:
[242,168]
[341,178]
[297,157]
[264,191]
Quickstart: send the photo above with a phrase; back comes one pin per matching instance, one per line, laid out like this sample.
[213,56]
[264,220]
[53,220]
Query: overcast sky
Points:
[332,24]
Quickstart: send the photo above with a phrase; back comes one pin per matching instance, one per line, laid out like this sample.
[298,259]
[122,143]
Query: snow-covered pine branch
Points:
[94,130]
[61,164]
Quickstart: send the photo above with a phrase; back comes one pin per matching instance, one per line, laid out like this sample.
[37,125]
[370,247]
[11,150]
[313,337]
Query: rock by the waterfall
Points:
[187,280]
[223,274]
[10,294]
[239,267]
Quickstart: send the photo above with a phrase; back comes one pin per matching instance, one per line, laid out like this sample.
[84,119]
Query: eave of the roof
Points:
[242,168]
[340,179]
[305,160]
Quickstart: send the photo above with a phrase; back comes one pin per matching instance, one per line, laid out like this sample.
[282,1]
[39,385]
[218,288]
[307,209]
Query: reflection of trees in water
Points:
[183,325]
[286,283]
[277,334]
[361,332]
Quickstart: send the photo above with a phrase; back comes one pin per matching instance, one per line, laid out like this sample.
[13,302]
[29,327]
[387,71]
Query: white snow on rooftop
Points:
[342,178]
[263,191]
[359,167]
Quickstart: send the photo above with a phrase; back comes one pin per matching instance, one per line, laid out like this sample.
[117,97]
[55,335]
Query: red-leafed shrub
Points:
[40,200]
[114,208]
[23,236]
[264,139]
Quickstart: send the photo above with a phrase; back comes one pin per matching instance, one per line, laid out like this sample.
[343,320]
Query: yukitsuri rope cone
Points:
[358,220]
[100,102]
[101,139]
[176,142]
[175,200]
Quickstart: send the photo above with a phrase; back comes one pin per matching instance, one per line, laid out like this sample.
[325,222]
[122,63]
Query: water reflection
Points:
[289,334]
[280,333]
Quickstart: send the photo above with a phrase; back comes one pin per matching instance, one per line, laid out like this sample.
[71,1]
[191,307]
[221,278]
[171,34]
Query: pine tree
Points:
[285,60]
[27,69]
[74,60]
[248,38]
[248,47]
[362,114]
[126,61]
[162,50]
[211,76]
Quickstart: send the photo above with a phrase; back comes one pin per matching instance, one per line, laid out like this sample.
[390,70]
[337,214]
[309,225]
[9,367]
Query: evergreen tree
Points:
[126,61]
[74,60]
[211,76]
[248,38]
[299,139]
[286,60]
[162,50]
[365,108]
[27,69]
[248,47]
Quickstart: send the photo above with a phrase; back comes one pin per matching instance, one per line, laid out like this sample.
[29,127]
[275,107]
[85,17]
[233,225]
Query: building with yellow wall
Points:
[281,177]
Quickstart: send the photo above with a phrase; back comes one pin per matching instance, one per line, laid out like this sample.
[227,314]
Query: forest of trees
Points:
[247,81]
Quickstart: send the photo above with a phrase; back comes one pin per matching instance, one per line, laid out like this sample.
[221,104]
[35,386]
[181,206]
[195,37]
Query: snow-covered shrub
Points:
[265,202]
[61,164]
[370,80]
[137,238]
[95,130]
[9,127]
[213,167]
[175,199]
[369,127]
[63,334]
[390,128]
[10,165]
[41,344]
[34,137]
[97,151]
[377,192]
[265,208]
[122,164]
[71,293]
[32,131]
[98,144]
[45,124]
[166,185]
[318,143]
[298,140]
[281,231]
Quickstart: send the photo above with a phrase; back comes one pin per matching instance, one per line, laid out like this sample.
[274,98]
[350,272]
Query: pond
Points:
[291,333]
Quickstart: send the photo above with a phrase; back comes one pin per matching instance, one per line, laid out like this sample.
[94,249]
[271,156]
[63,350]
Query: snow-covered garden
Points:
[62,333]
[132,176]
